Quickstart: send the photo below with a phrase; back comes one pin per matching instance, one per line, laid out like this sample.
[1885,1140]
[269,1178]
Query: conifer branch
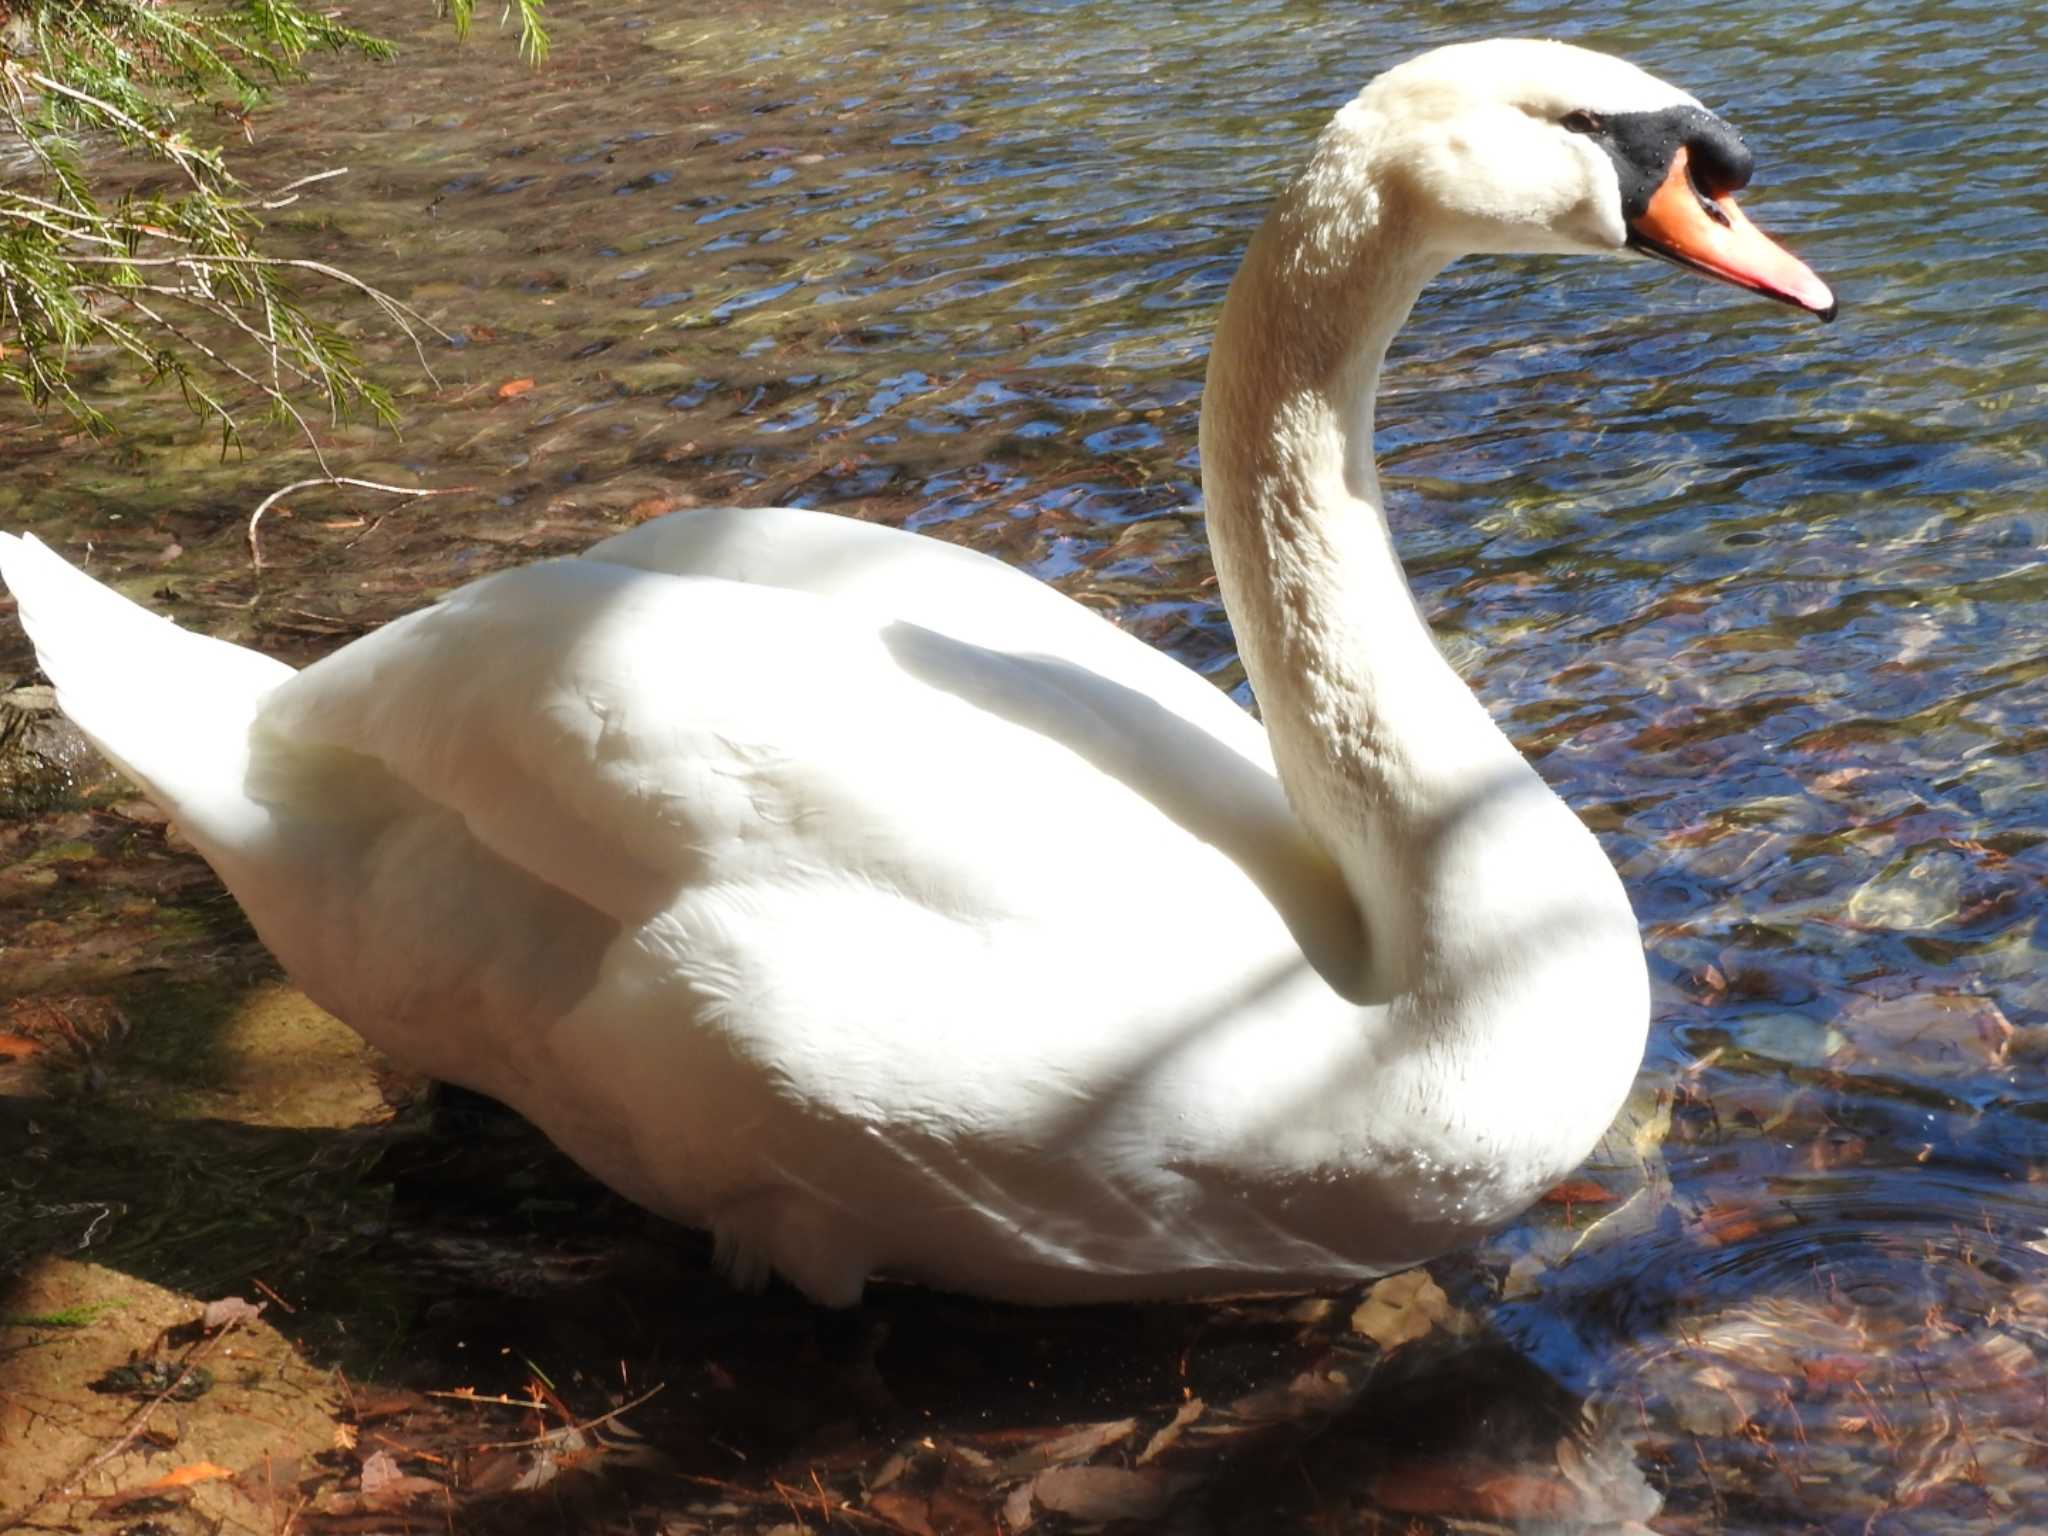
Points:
[90,86]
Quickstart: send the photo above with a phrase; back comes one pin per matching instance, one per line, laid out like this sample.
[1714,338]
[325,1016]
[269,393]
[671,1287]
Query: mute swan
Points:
[878,908]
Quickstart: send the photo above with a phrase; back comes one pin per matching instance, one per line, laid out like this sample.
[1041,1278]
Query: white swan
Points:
[878,908]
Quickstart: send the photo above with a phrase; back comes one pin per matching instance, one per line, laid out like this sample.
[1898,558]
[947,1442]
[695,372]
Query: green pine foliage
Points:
[124,232]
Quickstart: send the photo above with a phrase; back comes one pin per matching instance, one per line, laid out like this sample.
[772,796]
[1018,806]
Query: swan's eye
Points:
[1580,122]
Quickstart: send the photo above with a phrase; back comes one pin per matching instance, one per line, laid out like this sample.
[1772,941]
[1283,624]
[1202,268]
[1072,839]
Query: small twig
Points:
[68,231]
[266,339]
[555,1434]
[1713,1489]
[405,1448]
[466,1395]
[226,365]
[409,491]
[278,199]
[789,1494]
[266,1290]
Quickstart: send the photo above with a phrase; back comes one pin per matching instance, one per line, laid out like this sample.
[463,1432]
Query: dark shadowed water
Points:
[1765,600]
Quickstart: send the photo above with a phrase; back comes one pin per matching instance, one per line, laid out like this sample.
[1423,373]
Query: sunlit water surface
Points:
[1764,600]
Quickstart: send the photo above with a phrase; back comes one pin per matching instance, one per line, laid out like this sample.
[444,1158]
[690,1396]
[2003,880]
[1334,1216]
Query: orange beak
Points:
[1711,235]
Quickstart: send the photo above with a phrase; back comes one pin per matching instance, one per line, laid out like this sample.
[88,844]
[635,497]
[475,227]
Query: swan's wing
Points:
[1146,699]
[623,737]
[783,787]
[928,582]
[614,731]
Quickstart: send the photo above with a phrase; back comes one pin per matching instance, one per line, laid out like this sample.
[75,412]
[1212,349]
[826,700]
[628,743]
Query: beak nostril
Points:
[1706,197]
[1719,162]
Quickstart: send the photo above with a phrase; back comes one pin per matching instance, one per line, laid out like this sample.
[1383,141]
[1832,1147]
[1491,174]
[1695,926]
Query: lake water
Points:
[1765,600]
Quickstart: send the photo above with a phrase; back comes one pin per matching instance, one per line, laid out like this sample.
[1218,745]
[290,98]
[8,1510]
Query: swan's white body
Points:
[878,908]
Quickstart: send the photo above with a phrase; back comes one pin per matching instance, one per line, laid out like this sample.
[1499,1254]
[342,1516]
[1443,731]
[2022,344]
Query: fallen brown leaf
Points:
[1831,1371]
[1402,1308]
[1018,1514]
[374,1407]
[177,1477]
[1576,1192]
[1726,1223]
[1076,1445]
[1962,1030]
[1461,1488]
[1164,1438]
[385,1487]
[1579,1192]
[909,1511]
[649,507]
[1310,1394]
[1100,1494]
[1835,1150]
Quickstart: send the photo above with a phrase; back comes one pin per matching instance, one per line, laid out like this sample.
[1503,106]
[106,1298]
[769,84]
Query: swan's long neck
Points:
[1385,754]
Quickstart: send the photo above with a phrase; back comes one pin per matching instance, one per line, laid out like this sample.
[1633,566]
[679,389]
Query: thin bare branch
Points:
[228,365]
[266,339]
[278,199]
[410,492]
[553,1435]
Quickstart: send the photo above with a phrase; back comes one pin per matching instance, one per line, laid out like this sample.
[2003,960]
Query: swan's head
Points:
[1515,145]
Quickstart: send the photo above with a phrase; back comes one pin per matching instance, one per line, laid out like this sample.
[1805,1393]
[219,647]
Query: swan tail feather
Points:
[170,708]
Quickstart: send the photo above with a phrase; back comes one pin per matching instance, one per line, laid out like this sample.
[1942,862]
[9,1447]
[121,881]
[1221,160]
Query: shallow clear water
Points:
[1765,600]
